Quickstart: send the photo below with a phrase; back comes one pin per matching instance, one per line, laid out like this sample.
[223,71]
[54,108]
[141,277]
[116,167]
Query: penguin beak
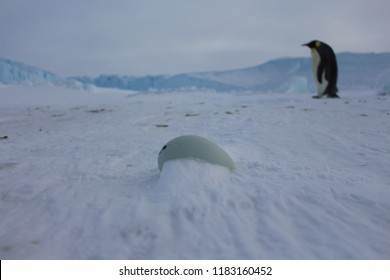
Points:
[305,45]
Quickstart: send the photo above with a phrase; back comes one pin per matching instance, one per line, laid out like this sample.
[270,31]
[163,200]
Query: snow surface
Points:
[79,176]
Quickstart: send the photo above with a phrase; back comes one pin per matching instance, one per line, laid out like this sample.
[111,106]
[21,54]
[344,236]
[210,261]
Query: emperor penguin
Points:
[324,66]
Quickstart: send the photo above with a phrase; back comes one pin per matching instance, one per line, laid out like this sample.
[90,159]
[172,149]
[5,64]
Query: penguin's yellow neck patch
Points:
[318,44]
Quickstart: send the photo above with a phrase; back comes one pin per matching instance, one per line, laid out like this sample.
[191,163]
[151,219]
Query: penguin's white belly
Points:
[321,87]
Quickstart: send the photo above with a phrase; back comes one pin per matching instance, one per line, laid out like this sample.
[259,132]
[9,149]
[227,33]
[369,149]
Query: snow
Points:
[79,176]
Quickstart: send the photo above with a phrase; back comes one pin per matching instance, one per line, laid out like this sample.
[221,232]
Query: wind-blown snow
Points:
[79,176]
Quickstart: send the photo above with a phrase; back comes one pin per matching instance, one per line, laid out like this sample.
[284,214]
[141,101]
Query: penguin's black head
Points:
[313,44]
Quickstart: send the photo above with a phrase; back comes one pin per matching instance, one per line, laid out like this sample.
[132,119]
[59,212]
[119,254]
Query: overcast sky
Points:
[138,37]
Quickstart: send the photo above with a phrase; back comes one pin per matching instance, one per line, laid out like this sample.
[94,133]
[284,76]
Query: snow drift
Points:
[79,176]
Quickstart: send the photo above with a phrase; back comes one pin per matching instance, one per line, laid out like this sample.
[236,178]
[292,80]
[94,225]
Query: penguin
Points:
[324,66]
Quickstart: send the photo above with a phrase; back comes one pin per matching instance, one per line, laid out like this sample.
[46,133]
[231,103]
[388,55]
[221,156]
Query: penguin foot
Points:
[316,97]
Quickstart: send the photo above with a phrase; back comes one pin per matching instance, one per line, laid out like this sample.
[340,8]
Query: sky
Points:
[149,37]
